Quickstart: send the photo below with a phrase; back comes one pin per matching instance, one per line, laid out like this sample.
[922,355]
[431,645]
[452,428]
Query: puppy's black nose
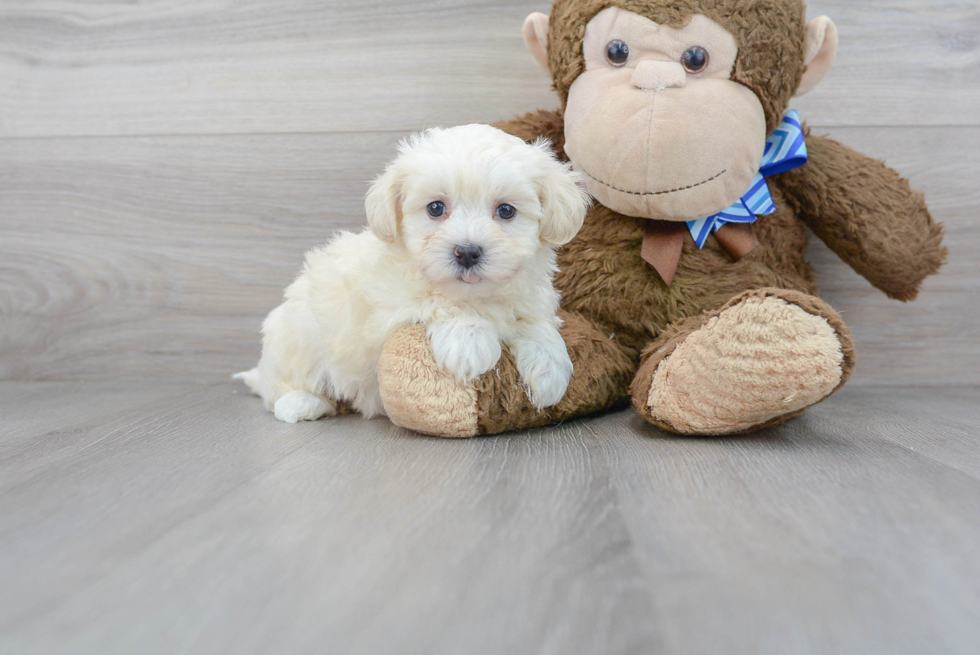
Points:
[468,256]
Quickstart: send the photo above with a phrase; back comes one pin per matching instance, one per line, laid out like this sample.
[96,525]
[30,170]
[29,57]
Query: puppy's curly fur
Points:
[463,227]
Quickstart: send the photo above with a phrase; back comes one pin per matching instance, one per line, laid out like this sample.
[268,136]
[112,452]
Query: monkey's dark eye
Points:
[436,209]
[617,52]
[694,59]
[506,212]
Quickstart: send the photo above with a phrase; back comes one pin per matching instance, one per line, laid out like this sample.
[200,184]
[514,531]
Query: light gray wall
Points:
[164,166]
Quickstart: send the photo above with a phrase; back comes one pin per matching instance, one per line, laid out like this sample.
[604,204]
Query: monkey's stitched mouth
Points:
[654,193]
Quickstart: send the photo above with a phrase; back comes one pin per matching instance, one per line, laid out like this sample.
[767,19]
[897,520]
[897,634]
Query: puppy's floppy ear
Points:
[383,205]
[564,199]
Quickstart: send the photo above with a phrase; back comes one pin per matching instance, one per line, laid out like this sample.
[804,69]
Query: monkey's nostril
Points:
[658,75]
[468,255]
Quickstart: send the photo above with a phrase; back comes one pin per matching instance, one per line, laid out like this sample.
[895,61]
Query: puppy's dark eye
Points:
[694,59]
[506,212]
[436,209]
[617,52]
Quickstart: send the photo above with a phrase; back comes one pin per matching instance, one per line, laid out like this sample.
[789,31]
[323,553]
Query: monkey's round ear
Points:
[536,38]
[383,205]
[821,49]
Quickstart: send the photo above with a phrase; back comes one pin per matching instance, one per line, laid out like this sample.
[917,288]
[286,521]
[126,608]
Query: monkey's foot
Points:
[761,359]
[420,396]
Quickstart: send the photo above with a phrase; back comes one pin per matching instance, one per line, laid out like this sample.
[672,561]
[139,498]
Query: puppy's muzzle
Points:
[468,255]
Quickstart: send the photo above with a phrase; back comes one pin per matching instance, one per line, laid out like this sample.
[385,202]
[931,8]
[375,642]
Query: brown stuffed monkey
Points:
[687,290]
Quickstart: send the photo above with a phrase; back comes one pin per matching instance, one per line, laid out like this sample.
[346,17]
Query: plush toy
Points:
[687,290]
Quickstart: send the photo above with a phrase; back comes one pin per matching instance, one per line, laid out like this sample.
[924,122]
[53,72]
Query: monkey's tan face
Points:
[656,125]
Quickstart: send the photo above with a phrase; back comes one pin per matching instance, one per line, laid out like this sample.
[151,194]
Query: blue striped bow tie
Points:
[785,150]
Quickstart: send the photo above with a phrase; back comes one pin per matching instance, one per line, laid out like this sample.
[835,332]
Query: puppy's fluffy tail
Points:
[250,378]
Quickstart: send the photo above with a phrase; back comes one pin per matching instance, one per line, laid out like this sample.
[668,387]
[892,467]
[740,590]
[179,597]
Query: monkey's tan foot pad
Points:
[418,395]
[760,360]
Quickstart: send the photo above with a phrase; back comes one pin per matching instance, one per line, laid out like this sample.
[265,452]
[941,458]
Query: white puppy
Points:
[463,227]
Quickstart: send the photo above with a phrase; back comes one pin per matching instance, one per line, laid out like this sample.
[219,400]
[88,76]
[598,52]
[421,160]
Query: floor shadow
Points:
[800,432]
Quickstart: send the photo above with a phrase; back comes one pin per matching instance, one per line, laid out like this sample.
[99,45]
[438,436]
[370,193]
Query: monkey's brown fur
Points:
[621,320]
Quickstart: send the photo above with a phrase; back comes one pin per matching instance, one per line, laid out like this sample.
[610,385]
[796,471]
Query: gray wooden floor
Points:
[170,518]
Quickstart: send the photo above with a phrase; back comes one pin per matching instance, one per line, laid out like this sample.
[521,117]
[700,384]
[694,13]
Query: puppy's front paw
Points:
[466,350]
[545,368]
[298,406]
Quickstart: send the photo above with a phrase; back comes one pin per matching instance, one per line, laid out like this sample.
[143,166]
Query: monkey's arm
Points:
[867,214]
[529,127]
